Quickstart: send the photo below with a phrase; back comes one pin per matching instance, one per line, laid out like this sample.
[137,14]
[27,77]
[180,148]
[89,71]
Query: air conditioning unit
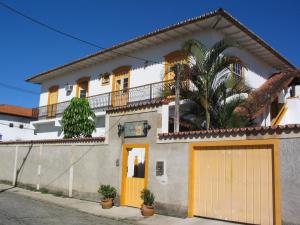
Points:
[69,88]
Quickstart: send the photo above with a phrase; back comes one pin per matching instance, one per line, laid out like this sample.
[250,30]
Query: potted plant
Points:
[147,208]
[108,194]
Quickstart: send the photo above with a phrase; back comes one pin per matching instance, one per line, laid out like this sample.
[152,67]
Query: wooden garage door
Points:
[234,183]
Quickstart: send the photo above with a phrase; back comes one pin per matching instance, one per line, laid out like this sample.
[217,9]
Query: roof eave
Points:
[222,12]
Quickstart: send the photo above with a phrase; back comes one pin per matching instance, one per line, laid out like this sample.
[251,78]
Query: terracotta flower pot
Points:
[106,203]
[147,210]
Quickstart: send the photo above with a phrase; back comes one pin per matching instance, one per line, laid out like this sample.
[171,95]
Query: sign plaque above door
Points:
[136,129]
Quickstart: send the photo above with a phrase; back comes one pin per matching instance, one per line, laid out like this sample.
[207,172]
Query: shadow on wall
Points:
[49,131]
[21,168]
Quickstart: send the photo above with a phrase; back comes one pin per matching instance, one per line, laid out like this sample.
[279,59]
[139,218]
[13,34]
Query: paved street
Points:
[20,210]
[21,206]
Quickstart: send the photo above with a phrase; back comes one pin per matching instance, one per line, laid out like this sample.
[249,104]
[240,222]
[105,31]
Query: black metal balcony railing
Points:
[102,102]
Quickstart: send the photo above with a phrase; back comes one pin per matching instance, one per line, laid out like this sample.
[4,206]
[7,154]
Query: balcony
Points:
[103,102]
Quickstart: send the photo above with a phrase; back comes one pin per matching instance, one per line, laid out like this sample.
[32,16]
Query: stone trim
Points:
[56,141]
[232,132]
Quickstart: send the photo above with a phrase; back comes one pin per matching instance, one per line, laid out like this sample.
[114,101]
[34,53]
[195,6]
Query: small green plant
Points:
[58,193]
[107,191]
[44,190]
[147,196]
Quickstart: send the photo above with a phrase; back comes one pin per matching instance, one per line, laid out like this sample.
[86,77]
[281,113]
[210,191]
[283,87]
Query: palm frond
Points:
[195,49]
[216,92]
[222,63]
[216,51]
[228,118]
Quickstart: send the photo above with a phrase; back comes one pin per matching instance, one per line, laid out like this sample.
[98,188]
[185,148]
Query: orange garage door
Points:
[234,183]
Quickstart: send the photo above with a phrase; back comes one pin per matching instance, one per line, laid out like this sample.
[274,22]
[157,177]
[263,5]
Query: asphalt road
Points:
[19,210]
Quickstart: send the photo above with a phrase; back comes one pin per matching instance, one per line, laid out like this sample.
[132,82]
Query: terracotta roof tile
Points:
[233,131]
[18,111]
[259,99]
[56,141]
[137,105]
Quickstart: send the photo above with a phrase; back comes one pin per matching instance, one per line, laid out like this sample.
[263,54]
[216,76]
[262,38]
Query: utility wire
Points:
[10,8]
[8,86]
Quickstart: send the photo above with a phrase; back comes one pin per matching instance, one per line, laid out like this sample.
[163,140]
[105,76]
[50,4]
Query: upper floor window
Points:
[238,70]
[105,79]
[83,87]
[52,101]
[171,59]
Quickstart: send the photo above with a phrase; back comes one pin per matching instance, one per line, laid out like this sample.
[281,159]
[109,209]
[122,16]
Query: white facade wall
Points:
[51,129]
[15,133]
[292,115]
[48,131]
[256,74]
[287,94]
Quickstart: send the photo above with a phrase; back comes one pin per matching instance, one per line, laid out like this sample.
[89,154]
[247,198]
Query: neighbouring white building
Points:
[136,72]
[15,123]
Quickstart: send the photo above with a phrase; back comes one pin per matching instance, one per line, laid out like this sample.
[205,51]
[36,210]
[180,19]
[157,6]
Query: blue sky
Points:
[27,49]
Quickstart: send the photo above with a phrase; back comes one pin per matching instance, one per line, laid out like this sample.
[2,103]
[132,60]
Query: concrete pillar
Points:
[107,128]
[165,119]
[39,168]
[71,170]
[15,166]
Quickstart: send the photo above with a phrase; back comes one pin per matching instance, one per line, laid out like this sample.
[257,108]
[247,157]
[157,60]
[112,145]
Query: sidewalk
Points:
[132,215]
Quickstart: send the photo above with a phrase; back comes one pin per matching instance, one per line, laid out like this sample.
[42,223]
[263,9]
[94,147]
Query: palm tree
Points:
[212,88]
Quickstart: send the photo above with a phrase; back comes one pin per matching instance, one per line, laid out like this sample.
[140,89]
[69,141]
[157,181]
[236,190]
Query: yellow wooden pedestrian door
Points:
[120,93]
[234,183]
[52,102]
[134,174]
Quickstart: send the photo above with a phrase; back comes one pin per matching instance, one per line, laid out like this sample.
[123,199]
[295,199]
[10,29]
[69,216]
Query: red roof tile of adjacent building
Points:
[259,99]
[17,111]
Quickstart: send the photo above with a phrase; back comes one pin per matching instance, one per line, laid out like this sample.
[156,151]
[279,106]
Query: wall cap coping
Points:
[55,141]
[233,131]
[138,105]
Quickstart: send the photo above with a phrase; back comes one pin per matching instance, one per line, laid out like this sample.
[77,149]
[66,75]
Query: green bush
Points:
[78,119]
[147,196]
[107,191]
[44,190]
[58,193]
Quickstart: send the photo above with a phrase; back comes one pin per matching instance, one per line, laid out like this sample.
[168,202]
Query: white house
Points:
[136,71]
[130,88]
[15,123]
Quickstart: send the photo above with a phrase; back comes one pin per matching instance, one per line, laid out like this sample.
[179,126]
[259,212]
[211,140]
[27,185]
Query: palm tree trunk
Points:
[207,116]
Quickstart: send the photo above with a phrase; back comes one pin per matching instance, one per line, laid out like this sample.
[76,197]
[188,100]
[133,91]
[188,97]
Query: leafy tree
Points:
[78,119]
[216,92]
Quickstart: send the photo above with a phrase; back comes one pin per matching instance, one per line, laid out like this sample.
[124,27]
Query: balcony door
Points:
[120,95]
[52,101]
[171,59]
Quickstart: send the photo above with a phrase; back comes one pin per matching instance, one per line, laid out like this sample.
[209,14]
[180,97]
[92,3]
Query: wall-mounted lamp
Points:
[120,129]
[147,127]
